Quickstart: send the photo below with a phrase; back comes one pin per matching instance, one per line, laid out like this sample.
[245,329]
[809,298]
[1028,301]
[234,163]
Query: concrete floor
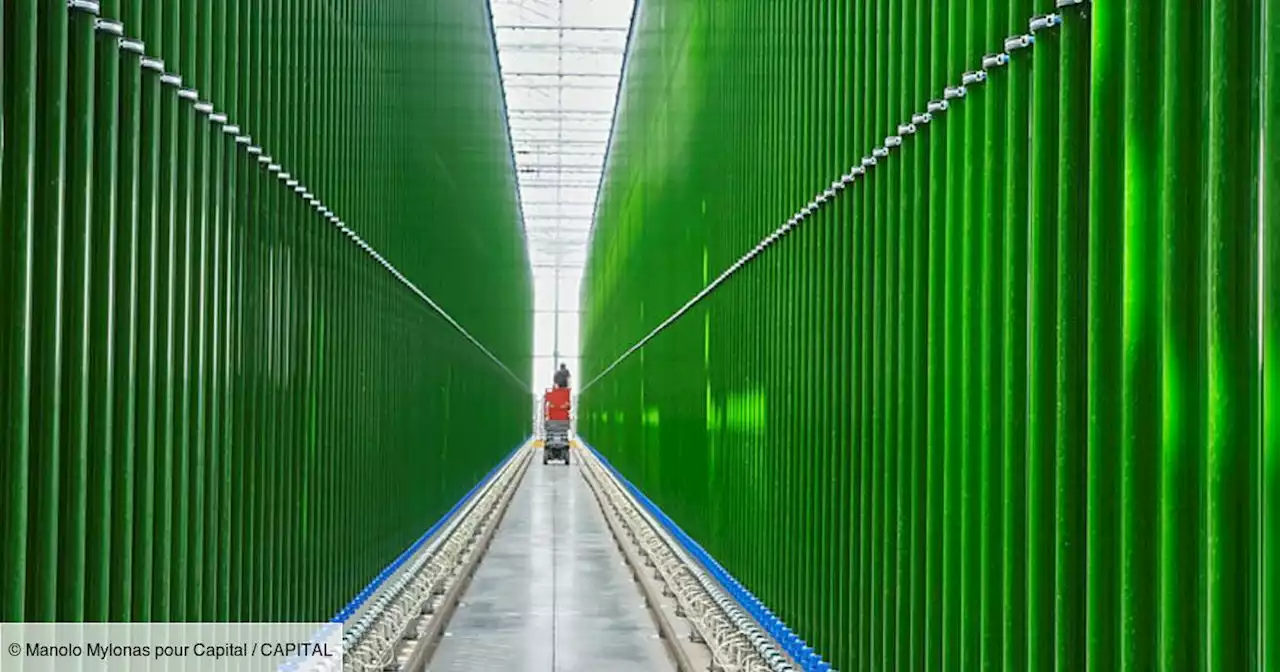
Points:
[553,594]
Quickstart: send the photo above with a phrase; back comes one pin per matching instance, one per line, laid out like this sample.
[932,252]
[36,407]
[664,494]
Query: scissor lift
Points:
[555,425]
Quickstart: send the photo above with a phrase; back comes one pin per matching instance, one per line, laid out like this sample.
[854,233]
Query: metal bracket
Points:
[218,118]
[254,150]
[109,27]
[921,119]
[243,140]
[995,60]
[868,161]
[1072,3]
[189,94]
[204,108]
[953,92]
[1019,42]
[86,6]
[1045,22]
[894,140]
[273,168]
[291,183]
[975,77]
[880,152]
[171,79]
[133,47]
[907,129]
[153,64]
[936,106]
[264,159]
[231,130]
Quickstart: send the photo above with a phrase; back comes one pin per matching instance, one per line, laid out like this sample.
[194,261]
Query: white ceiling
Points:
[560,62]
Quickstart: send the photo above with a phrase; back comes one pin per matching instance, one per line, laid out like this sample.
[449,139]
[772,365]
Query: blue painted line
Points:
[802,653]
[390,569]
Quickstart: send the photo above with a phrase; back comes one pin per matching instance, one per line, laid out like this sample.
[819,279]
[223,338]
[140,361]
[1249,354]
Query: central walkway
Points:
[553,593]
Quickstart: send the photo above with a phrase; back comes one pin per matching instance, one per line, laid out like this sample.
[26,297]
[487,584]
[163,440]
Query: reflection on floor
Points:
[553,594]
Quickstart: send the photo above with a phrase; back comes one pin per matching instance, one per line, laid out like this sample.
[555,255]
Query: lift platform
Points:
[555,425]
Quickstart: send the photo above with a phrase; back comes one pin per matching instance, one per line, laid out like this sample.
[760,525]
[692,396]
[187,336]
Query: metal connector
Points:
[1045,22]
[189,94]
[953,92]
[133,47]
[218,118]
[85,6]
[936,106]
[254,150]
[204,108]
[880,152]
[153,64]
[108,27]
[868,161]
[995,60]
[907,129]
[922,119]
[1019,42]
[894,140]
[171,79]
[975,77]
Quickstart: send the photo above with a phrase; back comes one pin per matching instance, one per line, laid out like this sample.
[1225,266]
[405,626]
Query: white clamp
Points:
[1018,42]
[109,27]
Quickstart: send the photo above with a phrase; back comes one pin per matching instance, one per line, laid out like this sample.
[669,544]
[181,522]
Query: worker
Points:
[562,376]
